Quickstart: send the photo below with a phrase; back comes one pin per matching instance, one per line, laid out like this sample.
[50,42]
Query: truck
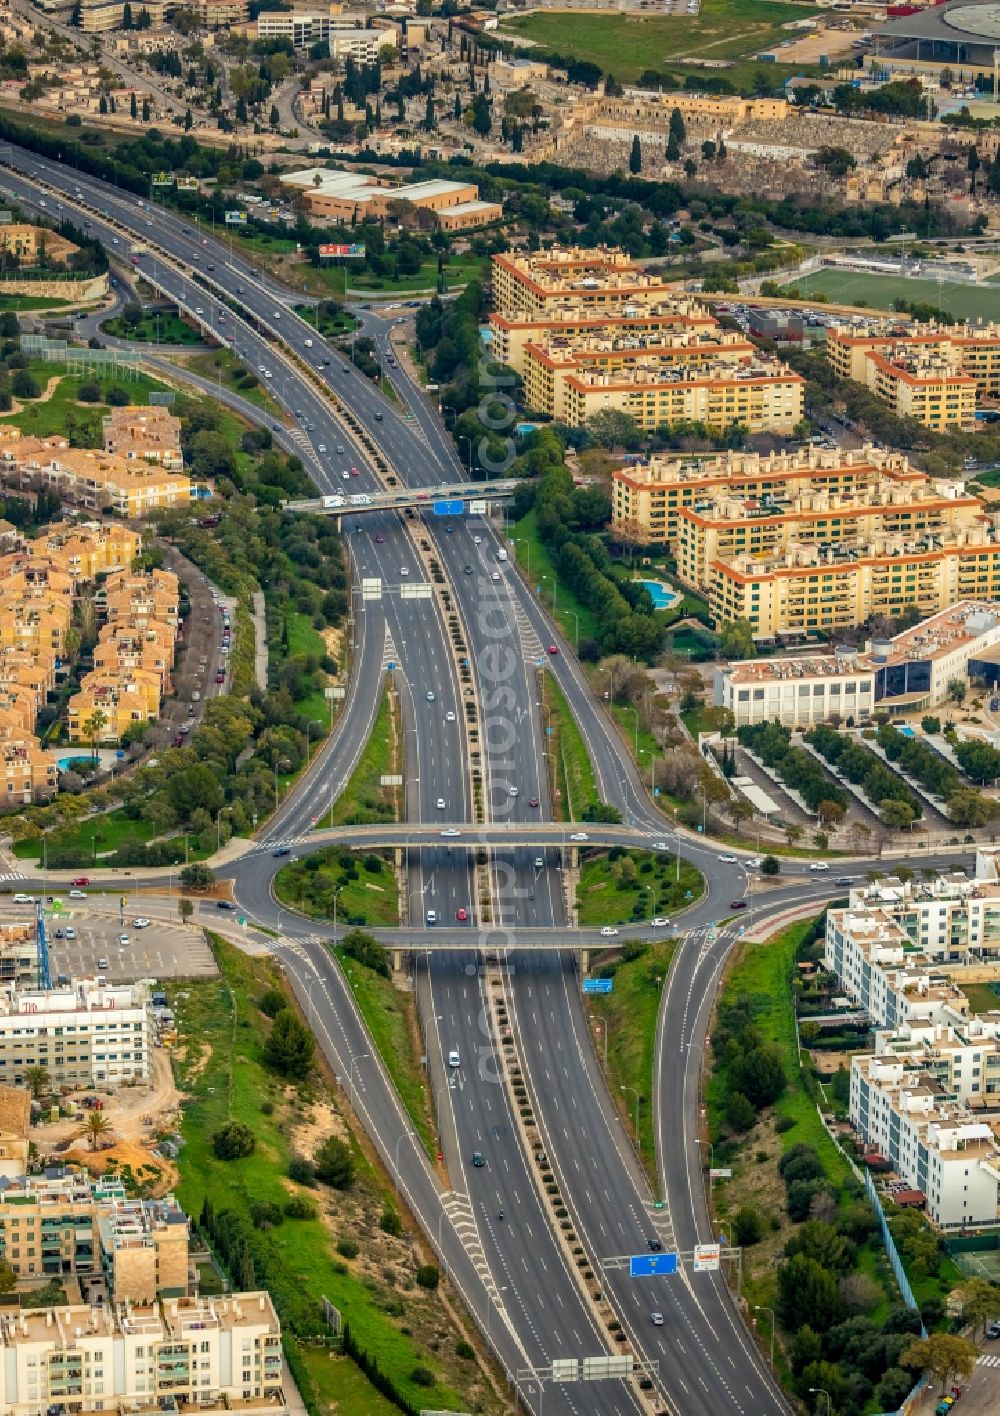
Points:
[501,554]
[308,343]
[362,499]
[333,501]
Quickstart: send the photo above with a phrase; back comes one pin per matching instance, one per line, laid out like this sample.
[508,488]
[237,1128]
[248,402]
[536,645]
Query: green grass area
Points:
[764,972]
[223,367]
[63,414]
[983,997]
[457,272]
[847,287]
[220,1069]
[637,885]
[541,574]
[570,769]
[629,1014]
[18,303]
[389,1017]
[623,45]
[154,329]
[329,326]
[101,834]
[364,800]
[366,891]
[304,639]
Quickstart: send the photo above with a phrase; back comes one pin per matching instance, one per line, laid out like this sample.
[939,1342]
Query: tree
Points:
[760,1075]
[944,1356]
[736,639]
[895,814]
[233,1141]
[612,429]
[96,1127]
[740,1115]
[185,908]
[979,1301]
[25,385]
[289,1048]
[197,877]
[673,149]
[335,1163]
[38,1081]
[188,120]
[145,110]
[808,1294]
[770,865]
[677,128]
[746,1226]
[957,689]
[275,117]
[133,105]
[635,156]
[8,1277]
[272,1002]
[93,726]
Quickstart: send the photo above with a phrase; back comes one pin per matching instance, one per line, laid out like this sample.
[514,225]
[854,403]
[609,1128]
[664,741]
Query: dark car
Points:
[224,905]
[477,1160]
[654,1244]
[281,851]
[737,904]
[178,741]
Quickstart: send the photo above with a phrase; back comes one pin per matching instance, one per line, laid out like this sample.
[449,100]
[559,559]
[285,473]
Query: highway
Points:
[484,720]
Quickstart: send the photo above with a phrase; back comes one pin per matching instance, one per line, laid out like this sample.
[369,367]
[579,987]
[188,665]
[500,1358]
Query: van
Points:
[308,343]
[539,863]
[501,554]
[196,696]
[432,916]
[453,1058]
[21,899]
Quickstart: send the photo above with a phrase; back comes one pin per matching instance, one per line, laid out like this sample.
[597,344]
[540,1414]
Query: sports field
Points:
[625,45]
[848,287]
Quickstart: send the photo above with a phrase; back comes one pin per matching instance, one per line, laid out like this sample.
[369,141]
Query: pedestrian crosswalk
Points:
[531,645]
[10,876]
[991,1361]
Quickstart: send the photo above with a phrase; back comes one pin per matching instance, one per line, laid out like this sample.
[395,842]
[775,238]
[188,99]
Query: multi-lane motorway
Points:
[474,754]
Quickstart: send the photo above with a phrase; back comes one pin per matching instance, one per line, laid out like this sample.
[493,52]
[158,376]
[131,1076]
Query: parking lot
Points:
[84,940]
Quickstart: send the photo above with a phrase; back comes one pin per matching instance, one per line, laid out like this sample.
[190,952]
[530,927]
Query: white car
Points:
[660,923]
[579,836]
[608,932]
[454,1060]
[660,846]
[451,832]
[656,1319]
[122,940]
[440,803]
[819,865]
[346,475]
[404,570]
[430,695]
[729,859]
[140,924]
[513,791]
[449,717]
[756,863]
[21,899]
[321,447]
[495,575]
[78,894]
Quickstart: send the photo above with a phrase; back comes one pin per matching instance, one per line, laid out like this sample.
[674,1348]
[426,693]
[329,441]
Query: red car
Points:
[553,649]
[355,472]
[532,801]
[220,678]
[178,741]
[81,880]
[461,915]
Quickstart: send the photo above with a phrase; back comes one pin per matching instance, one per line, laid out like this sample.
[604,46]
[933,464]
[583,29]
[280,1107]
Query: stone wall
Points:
[77,292]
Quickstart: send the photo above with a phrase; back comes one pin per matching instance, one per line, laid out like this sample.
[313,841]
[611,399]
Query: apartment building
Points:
[28,773]
[511,334]
[102,16]
[549,364]
[647,496]
[976,347]
[15,1125]
[95,480]
[134,598]
[85,550]
[108,705]
[211,1355]
[597,281]
[945,1151]
[929,388]
[63,1223]
[758,392]
[145,434]
[84,1034]
[19,952]
[149,650]
[912,670]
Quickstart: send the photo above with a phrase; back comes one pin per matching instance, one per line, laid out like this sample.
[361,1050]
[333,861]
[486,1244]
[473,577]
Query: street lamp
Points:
[461,438]
[319,724]
[335,894]
[406,1136]
[822,1391]
[762,1308]
[555,589]
[711,1154]
[638,1139]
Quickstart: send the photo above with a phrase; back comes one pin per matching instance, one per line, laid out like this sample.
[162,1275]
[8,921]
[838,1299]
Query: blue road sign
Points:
[598,985]
[449,508]
[651,1265]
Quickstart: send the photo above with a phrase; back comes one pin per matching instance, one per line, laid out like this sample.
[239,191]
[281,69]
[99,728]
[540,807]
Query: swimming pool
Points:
[661,595]
[65,764]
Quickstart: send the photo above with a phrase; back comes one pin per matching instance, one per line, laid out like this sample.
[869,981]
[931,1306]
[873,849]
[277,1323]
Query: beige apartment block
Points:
[146,434]
[19,952]
[976,347]
[27,772]
[760,393]
[929,388]
[28,243]
[550,363]
[95,480]
[511,334]
[84,1034]
[121,650]
[85,550]
[133,598]
[109,704]
[589,281]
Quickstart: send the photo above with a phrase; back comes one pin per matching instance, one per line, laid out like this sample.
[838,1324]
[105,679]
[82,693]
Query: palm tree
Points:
[37,1080]
[93,727]
[97,1126]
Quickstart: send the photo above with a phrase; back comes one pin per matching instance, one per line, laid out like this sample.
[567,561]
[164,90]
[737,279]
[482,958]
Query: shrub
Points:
[740,1115]
[265,1215]
[465,1350]
[335,1163]
[390,1221]
[302,1170]
[271,1002]
[783,1124]
[422,1376]
[290,1046]
[267,1107]
[427,1276]
[746,1227]
[301,1207]
[348,1248]
[233,1141]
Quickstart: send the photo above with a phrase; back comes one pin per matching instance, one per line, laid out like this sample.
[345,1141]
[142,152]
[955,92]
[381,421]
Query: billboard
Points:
[707,1258]
[236,218]
[187,184]
[354,250]
[162,179]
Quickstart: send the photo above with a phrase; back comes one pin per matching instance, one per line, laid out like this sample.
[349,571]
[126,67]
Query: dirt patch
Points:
[318,1122]
[162,1174]
[757,1184]
[196,1067]
[333,638]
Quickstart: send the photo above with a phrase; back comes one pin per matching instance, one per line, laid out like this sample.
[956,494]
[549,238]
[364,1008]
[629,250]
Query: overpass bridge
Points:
[459,836]
[449,499]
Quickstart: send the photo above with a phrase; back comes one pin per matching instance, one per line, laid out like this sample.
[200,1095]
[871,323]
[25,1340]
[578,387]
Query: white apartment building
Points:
[218,1354]
[85,1034]
[361,45]
[934,1142]
[798,692]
